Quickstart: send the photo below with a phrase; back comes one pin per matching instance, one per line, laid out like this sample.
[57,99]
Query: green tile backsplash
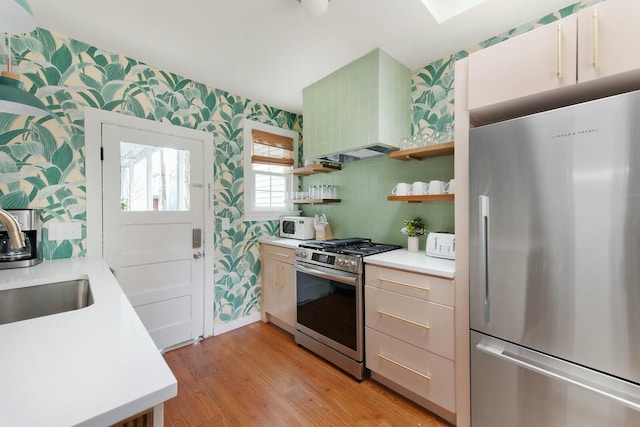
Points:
[364,186]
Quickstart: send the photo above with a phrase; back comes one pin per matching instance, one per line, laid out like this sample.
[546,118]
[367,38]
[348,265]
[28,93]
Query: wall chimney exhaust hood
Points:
[360,111]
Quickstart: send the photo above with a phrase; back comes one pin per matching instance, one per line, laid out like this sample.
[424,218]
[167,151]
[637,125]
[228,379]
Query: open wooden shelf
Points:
[313,201]
[423,152]
[313,169]
[421,198]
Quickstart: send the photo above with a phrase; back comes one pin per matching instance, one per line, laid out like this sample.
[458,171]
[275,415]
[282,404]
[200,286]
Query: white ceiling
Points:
[268,50]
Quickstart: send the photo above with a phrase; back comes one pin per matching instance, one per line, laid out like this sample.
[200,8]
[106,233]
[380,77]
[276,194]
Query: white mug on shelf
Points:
[449,187]
[419,188]
[401,189]
[436,187]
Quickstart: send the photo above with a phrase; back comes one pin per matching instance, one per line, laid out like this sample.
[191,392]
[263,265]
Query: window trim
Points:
[250,213]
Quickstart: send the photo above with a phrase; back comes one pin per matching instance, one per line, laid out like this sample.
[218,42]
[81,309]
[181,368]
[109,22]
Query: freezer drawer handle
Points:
[427,377]
[393,316]
[500,353]
[395,282]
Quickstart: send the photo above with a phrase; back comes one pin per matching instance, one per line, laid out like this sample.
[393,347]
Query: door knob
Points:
[197,255]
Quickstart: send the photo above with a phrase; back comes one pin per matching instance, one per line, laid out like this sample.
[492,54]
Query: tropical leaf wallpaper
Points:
[42,159]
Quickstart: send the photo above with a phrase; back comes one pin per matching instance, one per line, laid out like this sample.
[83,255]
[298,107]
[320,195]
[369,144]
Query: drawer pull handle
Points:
[427,377]
[281,254]
[393,316]
[382,279]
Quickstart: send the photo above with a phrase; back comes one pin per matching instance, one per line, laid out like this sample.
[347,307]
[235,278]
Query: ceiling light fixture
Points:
[16,16]
[315,8]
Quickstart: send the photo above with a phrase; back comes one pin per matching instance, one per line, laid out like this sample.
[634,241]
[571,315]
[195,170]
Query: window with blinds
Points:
[272,153]
[271,159]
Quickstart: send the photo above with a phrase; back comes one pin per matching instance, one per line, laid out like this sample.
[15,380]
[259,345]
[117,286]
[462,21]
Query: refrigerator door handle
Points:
[557,369]
[484,254]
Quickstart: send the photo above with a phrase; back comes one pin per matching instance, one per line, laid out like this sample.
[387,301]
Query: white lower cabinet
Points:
[420,371]
[423,323]
[409,335]
[277,286]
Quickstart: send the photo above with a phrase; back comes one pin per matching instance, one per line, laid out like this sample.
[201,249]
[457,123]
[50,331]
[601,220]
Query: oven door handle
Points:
[336,276]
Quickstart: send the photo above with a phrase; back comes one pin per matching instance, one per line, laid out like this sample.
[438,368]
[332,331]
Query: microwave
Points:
[297,227]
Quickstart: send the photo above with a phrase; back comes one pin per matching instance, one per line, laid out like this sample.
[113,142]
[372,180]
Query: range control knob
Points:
[301,254]
[339,261]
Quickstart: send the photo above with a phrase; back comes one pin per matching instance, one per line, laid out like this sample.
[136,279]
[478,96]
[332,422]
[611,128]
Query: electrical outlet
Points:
[65,231]
[226,223]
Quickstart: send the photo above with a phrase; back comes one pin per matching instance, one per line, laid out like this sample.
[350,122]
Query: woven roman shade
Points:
[271,149]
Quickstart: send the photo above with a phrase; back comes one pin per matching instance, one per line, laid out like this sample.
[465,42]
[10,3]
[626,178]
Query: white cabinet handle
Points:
[281,254]
[427,377]
[395,282]
[596,40]
[393,316]
[559,70]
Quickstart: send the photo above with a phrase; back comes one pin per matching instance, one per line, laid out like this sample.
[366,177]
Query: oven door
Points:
[329,308]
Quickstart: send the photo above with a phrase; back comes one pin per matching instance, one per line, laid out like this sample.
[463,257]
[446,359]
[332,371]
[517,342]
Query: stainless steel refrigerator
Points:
[555,267]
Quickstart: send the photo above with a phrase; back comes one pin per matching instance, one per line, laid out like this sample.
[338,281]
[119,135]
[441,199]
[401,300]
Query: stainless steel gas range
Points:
[330,299]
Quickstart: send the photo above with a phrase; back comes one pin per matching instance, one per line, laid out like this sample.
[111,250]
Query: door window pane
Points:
[153,178]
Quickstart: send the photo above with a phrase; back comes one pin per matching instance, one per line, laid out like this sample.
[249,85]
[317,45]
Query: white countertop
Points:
[93,366]
[279,241]
[417,262]
[402,259]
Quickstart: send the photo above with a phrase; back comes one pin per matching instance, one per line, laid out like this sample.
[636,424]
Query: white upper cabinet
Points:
[595,46]
[608,34]
[532,63]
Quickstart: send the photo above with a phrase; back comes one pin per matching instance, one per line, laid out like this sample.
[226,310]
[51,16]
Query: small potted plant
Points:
[413,228]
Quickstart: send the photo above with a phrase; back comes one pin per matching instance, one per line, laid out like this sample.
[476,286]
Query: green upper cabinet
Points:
[364,103]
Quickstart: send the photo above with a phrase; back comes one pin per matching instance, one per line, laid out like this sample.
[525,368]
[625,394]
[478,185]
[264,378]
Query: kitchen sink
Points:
[43,300]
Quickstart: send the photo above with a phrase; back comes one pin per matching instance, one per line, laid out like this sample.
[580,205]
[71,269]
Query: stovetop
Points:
[355,246]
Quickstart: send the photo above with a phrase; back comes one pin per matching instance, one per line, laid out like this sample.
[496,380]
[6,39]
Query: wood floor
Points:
[258,376]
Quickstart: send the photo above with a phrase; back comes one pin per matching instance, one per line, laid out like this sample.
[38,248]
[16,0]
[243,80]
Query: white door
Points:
[153,217]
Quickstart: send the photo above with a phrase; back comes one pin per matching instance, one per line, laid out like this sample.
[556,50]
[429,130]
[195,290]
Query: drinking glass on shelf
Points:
[448,132]
[436,137]
[313,192]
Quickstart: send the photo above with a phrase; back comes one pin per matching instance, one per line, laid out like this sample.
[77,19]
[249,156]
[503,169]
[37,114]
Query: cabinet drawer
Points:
[277,252]
[424,373]
[422,323]
[415,285]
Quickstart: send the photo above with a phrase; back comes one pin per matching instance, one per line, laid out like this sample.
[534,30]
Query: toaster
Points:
[441,245]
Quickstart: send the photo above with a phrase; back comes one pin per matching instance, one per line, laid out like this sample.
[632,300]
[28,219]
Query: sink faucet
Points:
[13,229]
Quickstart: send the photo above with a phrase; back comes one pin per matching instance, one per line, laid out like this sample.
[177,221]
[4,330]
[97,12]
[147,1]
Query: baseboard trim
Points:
[235,324]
